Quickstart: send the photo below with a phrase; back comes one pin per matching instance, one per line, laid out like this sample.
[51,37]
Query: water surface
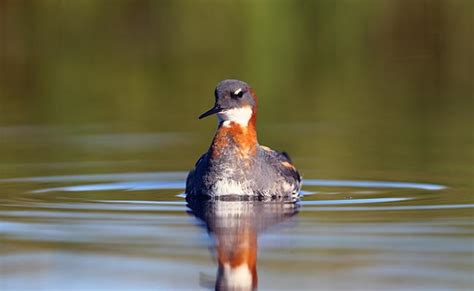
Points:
[373,100]
[134,230]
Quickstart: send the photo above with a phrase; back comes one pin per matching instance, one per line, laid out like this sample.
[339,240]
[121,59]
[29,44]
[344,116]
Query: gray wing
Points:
[282,162]
[190,181]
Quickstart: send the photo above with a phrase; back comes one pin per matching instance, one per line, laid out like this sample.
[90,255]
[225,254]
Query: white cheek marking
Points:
[238,115]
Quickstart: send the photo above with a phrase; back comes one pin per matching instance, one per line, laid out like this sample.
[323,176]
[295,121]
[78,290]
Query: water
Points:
[134,230]
[372,99]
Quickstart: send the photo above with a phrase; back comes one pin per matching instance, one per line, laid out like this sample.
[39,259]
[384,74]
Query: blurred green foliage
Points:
[347,84]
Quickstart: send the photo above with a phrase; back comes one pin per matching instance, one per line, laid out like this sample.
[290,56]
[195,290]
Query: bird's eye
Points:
[237,93]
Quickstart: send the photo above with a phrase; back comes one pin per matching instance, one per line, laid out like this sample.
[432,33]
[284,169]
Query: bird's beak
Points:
[213,110]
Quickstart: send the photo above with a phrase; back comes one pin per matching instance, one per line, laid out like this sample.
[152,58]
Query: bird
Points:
[236,165]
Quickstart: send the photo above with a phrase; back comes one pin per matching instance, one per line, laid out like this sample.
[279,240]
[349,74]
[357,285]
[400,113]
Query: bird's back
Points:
[268,174]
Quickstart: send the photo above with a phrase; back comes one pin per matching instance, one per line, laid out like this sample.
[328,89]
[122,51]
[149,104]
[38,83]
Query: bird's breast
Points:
[235,139]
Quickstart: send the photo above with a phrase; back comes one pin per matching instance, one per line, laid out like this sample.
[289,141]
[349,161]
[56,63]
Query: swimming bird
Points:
[235,163]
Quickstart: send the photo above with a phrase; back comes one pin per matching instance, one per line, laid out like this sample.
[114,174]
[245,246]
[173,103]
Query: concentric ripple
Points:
[355,192]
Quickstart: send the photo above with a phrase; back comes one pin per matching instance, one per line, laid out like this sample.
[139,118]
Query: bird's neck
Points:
[232,136]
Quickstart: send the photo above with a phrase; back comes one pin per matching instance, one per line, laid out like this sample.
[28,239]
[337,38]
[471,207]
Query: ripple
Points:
[392,207]
[353,201]
[372,184]
[128,186]
[371,192]
[175,180]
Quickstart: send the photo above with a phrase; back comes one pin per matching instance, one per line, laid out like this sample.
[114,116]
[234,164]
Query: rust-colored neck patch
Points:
[235,136]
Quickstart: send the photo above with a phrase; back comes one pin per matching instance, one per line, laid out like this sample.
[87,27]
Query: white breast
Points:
[227,186]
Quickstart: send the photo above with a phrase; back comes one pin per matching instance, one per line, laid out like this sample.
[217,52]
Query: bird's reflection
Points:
[234,225]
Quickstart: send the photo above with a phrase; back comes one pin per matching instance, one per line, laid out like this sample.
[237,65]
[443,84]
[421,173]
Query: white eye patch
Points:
[236,92]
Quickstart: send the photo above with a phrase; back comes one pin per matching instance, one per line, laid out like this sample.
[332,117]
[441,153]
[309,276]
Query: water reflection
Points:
[130,230]
[234,226]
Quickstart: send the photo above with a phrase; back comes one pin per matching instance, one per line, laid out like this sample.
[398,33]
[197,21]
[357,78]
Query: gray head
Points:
[235,102]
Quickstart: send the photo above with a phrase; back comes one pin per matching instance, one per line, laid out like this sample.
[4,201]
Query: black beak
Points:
[213,110]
